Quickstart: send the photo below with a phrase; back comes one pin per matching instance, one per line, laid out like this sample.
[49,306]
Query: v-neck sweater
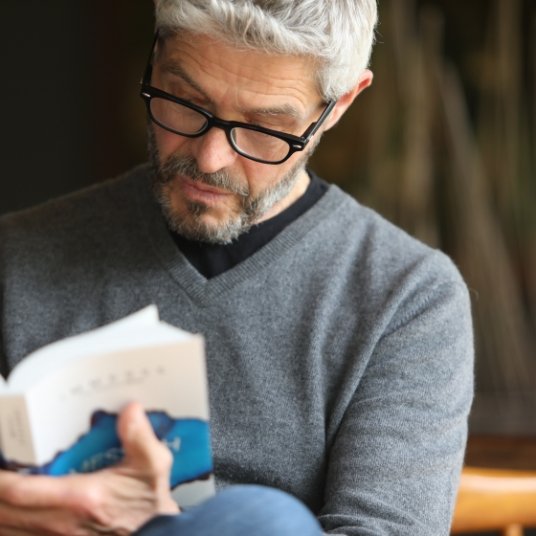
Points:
[214,259]
[339,355]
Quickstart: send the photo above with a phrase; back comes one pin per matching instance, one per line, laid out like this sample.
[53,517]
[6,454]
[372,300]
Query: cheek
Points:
[168,143]
[258,176]
[265,176]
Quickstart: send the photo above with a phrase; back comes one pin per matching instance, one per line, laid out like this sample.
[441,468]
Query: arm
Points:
[395,463]
[117,500]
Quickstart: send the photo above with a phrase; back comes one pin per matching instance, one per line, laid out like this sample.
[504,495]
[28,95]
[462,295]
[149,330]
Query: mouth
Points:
[201,192]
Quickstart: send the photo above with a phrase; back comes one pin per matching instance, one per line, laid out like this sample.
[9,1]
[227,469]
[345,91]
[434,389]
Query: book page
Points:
[139,329]
[169,378]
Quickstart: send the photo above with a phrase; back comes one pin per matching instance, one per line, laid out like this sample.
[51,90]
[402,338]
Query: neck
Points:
[297,191]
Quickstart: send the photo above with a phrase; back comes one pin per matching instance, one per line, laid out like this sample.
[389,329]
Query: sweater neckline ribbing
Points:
[187,277]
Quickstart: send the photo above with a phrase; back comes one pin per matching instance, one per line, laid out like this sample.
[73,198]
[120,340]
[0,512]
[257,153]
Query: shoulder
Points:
[376,245]
[78,215]
[87,203]
[63,253]
[379,270]
[67,235]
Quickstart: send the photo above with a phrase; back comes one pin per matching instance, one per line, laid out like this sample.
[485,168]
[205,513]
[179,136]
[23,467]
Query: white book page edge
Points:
[142,328]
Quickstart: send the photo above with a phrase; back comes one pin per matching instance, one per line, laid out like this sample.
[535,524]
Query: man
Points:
[339,349]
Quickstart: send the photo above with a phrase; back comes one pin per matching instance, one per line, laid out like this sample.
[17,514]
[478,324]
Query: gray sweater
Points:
[339,355]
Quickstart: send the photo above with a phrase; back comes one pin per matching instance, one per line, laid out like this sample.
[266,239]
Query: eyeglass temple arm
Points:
[316,125]
[146,79]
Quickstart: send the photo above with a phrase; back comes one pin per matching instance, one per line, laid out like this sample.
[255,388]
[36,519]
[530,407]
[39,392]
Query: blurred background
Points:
[444,145]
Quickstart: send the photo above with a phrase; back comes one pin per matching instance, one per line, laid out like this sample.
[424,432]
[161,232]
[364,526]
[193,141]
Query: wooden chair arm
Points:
[495,499]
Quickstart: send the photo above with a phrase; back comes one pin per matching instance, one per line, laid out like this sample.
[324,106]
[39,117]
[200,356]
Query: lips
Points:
[205,187]
[201,192]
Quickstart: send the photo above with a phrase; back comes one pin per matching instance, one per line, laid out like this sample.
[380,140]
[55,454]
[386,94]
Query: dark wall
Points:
[42,110]
[70,108]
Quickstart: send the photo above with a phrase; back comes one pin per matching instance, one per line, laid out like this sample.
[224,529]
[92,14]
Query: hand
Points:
[116,500]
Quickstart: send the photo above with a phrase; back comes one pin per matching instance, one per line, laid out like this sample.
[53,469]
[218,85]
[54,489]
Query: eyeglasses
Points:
[251,141]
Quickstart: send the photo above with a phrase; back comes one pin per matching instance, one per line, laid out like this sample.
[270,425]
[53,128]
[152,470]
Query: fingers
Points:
[143,450]
[116,500]
[146,456]
[15,521]
[35,491]
[31,505]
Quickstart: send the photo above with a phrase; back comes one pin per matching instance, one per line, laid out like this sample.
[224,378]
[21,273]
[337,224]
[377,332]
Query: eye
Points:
[178,88]
[276,122]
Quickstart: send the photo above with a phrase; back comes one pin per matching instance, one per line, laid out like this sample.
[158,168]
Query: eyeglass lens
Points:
[189,122]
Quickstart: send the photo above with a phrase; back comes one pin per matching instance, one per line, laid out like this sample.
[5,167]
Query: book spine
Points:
[15,430]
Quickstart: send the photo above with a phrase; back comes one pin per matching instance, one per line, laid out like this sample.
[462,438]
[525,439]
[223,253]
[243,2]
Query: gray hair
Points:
[338,34]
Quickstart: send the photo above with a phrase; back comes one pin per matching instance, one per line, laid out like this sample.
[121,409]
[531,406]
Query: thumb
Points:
[143,450]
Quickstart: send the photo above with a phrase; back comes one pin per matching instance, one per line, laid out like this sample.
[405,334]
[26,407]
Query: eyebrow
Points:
[284,110]
[176,70]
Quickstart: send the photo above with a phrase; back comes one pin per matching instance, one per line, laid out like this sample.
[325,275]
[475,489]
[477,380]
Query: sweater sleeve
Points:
[395,463]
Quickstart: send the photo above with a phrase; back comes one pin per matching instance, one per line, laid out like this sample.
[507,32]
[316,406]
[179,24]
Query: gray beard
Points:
[189,223]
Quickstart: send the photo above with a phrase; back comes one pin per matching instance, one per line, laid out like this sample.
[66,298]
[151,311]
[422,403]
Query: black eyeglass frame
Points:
[295,143]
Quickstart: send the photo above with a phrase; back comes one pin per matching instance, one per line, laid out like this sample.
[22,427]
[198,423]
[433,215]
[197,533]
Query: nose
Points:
[212,151]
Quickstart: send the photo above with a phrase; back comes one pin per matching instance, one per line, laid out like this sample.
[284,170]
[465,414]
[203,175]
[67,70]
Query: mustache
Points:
[187,166]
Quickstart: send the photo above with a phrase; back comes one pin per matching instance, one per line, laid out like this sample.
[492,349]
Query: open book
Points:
[59,407]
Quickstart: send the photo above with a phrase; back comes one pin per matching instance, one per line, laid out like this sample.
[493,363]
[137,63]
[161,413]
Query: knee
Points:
[240,511]
[269,511]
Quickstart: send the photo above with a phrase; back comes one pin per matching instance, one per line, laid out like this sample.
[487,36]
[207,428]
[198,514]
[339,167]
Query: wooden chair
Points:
[499,500]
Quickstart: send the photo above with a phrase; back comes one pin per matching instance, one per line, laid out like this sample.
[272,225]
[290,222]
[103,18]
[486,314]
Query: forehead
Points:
[228,74]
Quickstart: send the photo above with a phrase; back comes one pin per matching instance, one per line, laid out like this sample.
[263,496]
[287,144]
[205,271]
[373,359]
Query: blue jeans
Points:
[239,511]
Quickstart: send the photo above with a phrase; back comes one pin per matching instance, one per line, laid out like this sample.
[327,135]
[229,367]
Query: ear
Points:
[344,102]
